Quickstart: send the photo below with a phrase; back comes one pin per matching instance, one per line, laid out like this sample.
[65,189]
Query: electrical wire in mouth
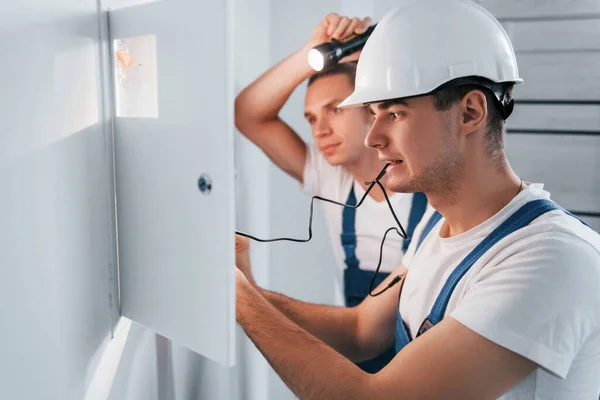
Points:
[376,181]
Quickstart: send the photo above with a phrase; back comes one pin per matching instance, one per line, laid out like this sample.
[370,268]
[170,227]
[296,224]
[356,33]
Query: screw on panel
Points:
[205,184]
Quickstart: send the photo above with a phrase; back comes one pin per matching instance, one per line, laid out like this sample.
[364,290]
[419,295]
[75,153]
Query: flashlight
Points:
[330,53]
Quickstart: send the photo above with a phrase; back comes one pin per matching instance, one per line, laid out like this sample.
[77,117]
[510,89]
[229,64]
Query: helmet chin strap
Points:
[500,90]
[505,106]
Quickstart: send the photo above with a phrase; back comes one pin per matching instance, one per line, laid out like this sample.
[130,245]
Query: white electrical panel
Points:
[173,82]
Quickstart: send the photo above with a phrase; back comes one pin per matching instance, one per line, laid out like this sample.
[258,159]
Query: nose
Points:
[376,137]
[321,128]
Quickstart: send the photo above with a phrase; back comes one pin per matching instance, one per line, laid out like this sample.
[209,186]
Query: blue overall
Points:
[521,218]
[356,280]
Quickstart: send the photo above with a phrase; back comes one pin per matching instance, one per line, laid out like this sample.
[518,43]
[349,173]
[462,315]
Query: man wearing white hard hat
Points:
[498,296]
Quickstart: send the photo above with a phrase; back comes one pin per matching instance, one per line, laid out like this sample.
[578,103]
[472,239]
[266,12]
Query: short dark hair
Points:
[446,97]
[347,68]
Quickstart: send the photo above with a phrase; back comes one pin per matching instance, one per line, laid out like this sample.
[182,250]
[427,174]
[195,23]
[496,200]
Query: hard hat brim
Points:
[364,96]
[358,99]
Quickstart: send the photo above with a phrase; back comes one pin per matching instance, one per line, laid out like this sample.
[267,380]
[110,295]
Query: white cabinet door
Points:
[174,123]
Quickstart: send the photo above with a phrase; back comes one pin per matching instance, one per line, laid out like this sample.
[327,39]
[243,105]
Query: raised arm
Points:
[257,107]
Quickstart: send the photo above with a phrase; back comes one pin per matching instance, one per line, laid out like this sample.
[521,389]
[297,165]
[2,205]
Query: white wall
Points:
[57,255]
[56,236]
[554,135]
[253,180]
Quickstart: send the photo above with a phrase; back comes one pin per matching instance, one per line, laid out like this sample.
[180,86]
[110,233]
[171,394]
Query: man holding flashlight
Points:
[500,300]
[338,165]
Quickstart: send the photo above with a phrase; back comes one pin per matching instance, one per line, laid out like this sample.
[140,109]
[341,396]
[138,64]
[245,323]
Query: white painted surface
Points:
[56,236]
[360,9]
[554,35]
[568,165]
[118,4]
[303,271]
[555,117]
[176,244]
[253,182]
[57,292]
[559,76]
[558,54]
[538,9]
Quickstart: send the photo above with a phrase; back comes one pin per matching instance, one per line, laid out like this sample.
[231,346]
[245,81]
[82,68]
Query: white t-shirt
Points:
[535,292]
[372,218]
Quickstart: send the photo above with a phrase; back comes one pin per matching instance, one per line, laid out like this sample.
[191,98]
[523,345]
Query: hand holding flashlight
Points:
[332,37]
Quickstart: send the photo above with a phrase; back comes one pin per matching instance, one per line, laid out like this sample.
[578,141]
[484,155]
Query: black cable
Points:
[311,211]
[396,278]
[401,233]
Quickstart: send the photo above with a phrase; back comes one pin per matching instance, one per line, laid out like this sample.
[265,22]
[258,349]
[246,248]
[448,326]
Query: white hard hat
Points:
[424,44]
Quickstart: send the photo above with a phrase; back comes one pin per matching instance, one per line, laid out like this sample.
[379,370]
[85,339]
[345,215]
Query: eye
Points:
[396,115]
[311,120]
[370,111]
[336,110]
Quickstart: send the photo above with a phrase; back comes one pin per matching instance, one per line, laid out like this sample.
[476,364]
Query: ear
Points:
[474,113]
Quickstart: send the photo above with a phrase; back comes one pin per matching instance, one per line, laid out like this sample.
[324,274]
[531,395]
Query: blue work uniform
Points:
[519,219]
[357,280]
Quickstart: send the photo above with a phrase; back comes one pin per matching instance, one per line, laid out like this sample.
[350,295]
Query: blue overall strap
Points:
[433,220]
[348,235]
[402,333]
[417,209]
[521,218]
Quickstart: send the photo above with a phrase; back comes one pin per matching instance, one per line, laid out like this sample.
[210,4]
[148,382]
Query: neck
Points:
[366,169]
[478,196]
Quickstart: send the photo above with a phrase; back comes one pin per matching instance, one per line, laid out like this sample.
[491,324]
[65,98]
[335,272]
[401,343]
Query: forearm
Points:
[310,368]
[336,326]
[262,100]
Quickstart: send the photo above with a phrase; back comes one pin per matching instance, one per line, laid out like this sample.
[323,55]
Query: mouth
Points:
[393,162]
[393,165]
[329,147]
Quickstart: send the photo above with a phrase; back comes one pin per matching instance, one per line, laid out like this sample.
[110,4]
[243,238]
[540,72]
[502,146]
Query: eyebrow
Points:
[397,102]
[329,104]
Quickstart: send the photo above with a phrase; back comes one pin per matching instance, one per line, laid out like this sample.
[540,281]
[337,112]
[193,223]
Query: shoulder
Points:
[561,237]
[550,260]
[538,295]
